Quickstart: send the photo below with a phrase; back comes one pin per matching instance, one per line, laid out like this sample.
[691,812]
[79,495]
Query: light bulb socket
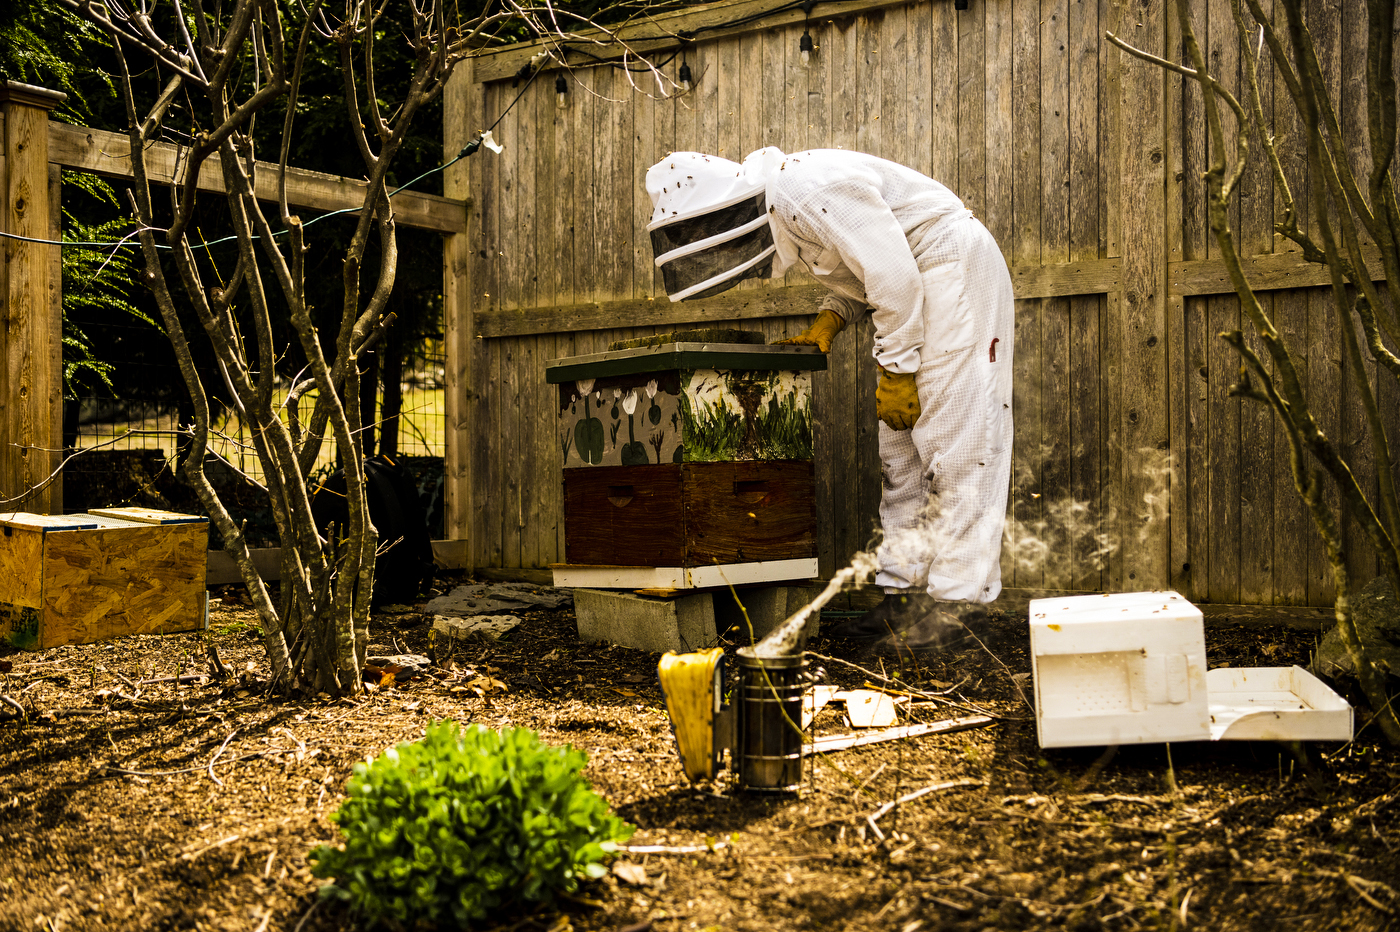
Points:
[561,85]
[684,74]
[959,4]
[805,43]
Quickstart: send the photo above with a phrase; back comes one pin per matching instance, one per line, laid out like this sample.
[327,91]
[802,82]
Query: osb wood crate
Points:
[76,579]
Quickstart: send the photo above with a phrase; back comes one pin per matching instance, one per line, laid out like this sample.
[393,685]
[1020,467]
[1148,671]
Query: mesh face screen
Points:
[675,235]
[686,271]
[762,270]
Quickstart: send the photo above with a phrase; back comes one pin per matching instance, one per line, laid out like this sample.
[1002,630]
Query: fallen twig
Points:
[306,915]
[1355,883]
[17,707]
[672,849]
[841,742]
[200,678]
[910,797]
[216,757]
[220,843]
[948,903]
[168,773]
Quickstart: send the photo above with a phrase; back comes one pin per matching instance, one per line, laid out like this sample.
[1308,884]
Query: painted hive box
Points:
[690,449]
[686,401]
[76,579]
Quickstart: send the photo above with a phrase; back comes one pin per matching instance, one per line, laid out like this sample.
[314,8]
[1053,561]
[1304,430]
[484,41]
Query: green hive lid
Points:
[667,356]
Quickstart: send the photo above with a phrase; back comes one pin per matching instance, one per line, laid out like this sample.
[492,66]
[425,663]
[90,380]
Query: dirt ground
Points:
[132,801]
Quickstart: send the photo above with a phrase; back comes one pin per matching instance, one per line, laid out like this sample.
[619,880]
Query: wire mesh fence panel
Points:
[134,430]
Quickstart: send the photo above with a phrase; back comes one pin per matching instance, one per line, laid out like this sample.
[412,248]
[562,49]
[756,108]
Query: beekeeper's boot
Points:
[895,613]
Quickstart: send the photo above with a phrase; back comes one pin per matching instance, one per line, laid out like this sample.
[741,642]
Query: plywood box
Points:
[76,579]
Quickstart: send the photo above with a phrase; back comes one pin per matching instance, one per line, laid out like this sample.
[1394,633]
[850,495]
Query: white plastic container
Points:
[1130,668]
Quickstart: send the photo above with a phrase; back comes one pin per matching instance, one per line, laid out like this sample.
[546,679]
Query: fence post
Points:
[31,339]
[459,399]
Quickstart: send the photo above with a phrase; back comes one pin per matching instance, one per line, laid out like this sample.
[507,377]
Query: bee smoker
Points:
[759,728]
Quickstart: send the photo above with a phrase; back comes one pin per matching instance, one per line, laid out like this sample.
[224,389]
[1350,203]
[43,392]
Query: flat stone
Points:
[1376,614]
[495,598]
[413,661]
[483,627]
[682,624]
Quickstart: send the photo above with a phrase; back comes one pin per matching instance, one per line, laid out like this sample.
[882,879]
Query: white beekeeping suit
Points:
[883,236]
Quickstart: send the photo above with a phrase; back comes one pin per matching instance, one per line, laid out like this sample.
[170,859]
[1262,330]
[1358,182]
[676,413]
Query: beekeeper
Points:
[884,238]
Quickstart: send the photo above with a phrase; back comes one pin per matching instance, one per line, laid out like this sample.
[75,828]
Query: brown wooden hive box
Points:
[690,514]
[76,579]
[689,449]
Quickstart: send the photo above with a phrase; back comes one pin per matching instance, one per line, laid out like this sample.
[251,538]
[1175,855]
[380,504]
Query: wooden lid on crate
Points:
[146,515]
[24,521]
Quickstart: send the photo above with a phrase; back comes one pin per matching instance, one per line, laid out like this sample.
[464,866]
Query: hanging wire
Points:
[469,149]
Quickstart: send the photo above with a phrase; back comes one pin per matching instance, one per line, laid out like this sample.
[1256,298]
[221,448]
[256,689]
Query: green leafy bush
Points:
[444,831]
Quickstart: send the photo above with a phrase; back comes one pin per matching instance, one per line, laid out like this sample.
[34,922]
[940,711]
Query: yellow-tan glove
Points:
[897,400]
[827,325]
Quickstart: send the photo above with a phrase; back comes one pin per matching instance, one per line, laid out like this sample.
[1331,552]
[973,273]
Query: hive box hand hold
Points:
[1130,668]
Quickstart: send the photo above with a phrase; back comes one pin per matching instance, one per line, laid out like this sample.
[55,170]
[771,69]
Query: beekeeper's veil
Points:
[709,225]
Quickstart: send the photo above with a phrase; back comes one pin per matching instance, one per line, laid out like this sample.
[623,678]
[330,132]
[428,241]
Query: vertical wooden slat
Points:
[707,103]
[1084,397]
[1142,321]
[1112,16]
[972,98]
[31,393]
[623,188]
[848,534]
[1028,494]
[1257,423]
[1294,534]
[750,94]
[774,82]
[1224,452]
[651,129]
[868,87]
[826,392]
[511,444]
[925,108]
[897,141]
[1351,102]
[1180,369]
[1328,370]
[989,155]
[1055,348]
[582,153]
[461,102]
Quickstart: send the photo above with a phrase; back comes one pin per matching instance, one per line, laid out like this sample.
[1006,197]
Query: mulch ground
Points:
[130,800]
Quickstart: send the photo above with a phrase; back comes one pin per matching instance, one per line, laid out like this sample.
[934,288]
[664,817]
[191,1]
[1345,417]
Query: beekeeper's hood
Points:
[709,225]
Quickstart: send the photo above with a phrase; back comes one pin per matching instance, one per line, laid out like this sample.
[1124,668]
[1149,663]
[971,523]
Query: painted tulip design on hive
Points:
[588,432]
[635,452]
[654,412]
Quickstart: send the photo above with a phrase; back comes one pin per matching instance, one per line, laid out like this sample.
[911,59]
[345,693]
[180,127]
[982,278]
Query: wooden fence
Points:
[1133,467]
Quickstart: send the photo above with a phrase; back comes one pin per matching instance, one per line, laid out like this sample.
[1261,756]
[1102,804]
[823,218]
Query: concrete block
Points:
[768,607]
[681,624]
